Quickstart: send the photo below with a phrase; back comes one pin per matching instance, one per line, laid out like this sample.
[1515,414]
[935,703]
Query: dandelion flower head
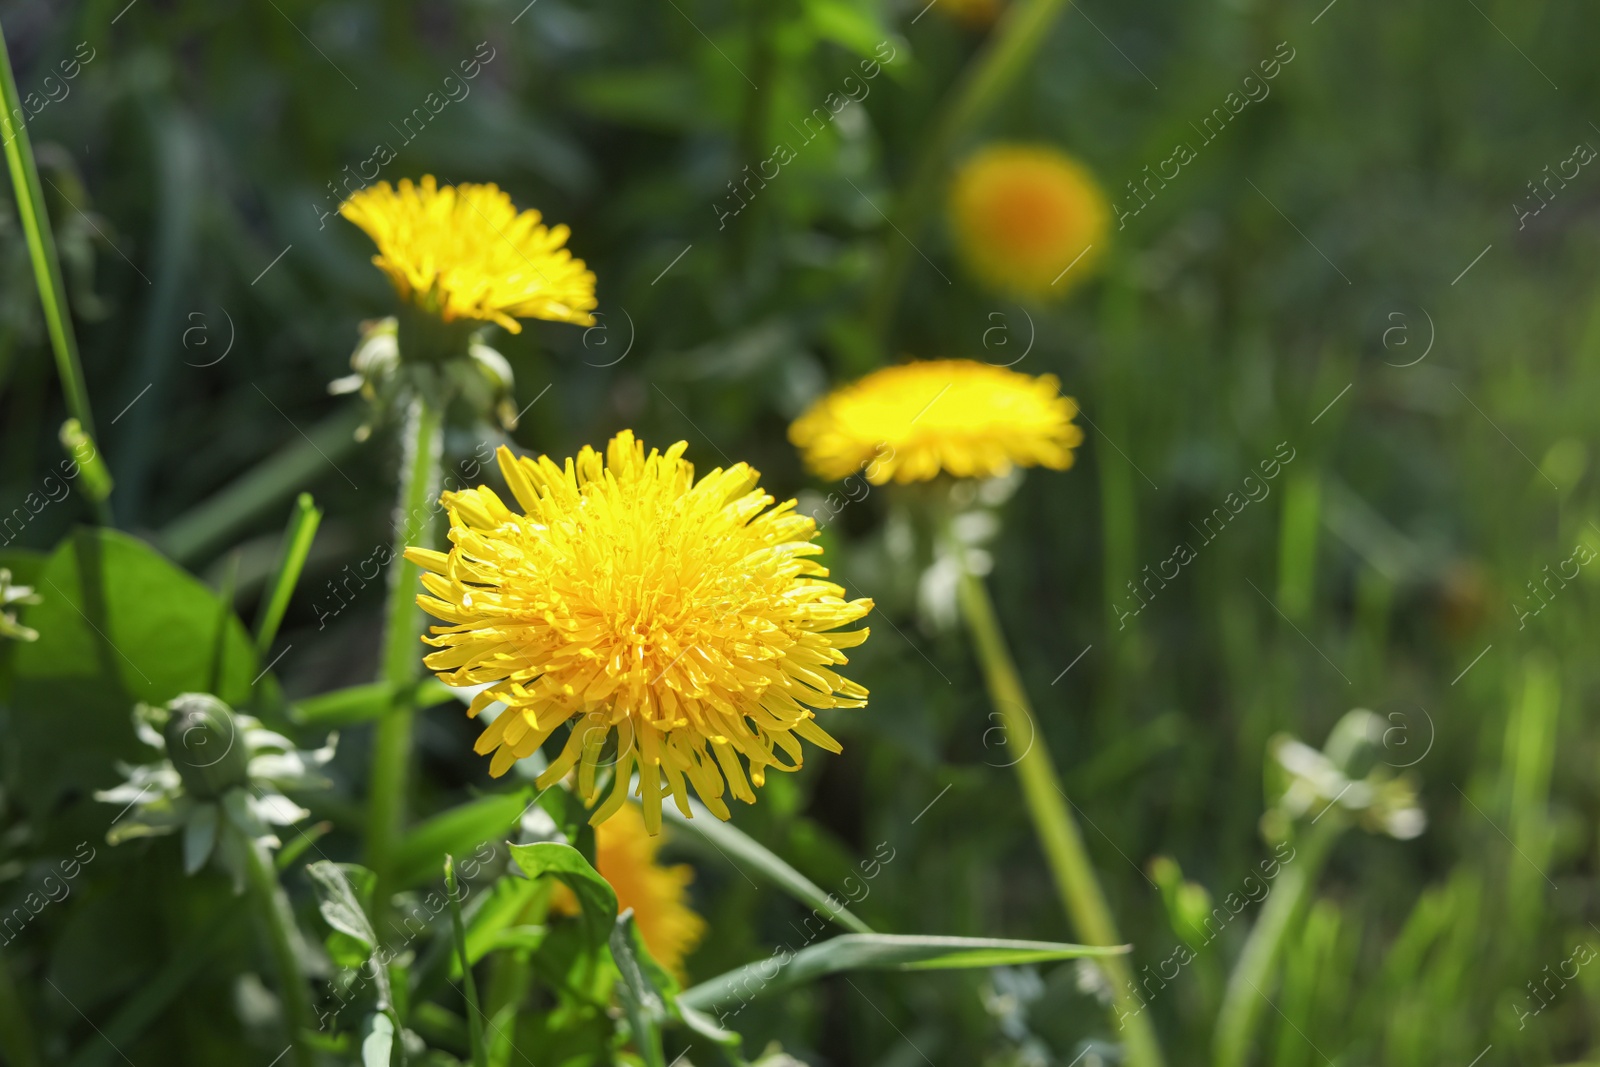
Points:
[465,252]
[912,422]
[1028,219]
[685,618]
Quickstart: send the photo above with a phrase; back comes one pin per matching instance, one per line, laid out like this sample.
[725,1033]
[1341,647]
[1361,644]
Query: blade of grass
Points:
[736,845]
[480,1057]
[1251,981]
[219,648]
[1048,807]
[42,253]
[880,952]
[209,524]
[297,538]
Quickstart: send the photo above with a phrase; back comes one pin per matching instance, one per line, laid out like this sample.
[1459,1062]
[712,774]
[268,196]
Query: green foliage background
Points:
[1275,291]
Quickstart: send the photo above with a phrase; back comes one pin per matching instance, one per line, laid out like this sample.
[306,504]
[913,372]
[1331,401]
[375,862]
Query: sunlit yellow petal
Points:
[630,599]
[465,252]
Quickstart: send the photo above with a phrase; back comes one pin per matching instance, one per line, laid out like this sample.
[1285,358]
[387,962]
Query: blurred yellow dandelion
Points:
[1028,219]
[910,422]
[625,855]
[683,617]
[465,252]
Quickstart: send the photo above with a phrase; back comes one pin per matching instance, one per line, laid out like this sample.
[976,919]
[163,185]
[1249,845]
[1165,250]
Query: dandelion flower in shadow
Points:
[625,855]
[912,422]
[1029,220]
[684,618]
[465,252]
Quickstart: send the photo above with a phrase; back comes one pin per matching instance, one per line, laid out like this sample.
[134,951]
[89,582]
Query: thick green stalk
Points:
[1075,879]
[993,71]
[402,654]
[42,251]
[283,938]
[1249,984]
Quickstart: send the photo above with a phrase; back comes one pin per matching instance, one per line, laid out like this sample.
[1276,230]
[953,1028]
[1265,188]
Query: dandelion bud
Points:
[203,743]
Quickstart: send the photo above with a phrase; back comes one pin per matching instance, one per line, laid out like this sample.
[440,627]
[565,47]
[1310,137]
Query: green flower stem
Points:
[1058,832]
[402,654]
[991,73]
[474,1008]
[1248,985]
[42,251]
[16,1033]
[283,938]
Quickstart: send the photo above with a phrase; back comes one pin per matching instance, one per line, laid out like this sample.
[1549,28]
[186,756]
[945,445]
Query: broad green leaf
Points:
[340,901]
[458,832]
[597,901]
[641,1001]
[490,925]
[877,952]
[745,852]
[118,625]
[512,937]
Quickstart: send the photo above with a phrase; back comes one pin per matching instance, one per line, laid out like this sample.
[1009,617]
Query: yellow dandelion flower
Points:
[1024,214]
[464,252]
[910,422]
[625,855]
[682,616]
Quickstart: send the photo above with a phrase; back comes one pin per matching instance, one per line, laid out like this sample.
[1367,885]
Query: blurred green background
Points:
[1353,268]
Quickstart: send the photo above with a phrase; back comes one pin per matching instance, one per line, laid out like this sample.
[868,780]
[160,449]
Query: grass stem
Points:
[1048,806]
[42,252]
[991,73]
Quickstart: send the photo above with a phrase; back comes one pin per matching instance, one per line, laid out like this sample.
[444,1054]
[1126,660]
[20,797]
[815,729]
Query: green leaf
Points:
[117,625]
[706,1026]
[456,832]
[361,703]
[341,901]
[877,952]
[642,1002]
[851,25]
[377,1044]
[740,847]
[597,901]
[490,925]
